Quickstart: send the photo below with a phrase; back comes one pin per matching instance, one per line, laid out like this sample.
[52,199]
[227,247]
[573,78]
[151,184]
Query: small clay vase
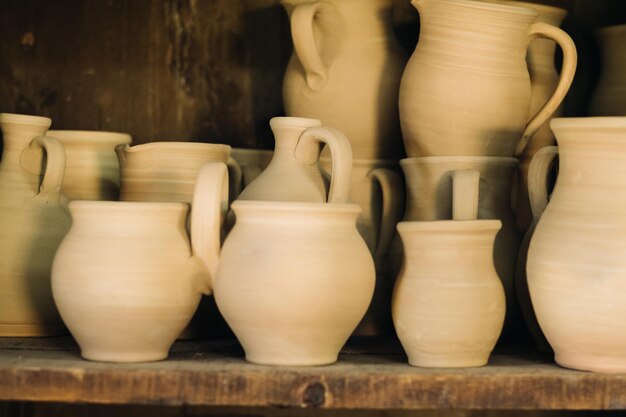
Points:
[251,162]
[33,221]
[294,280]
[609,97]
[128,276]
[92,171]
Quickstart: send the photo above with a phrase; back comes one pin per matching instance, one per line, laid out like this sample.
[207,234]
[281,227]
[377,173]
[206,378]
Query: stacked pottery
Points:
[308,277]
[609,97]
[345,71]
[465,101]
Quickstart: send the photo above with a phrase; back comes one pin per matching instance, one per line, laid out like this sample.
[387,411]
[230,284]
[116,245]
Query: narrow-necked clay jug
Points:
[577,257]
[293,173]
[346,70]
[609,97]
[33,220]
[466,88]
[294,280]
[128,276]
[92,171]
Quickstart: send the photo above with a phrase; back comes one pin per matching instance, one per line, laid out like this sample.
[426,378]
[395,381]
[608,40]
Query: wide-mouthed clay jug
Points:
[448,303]
[251,162]
[577,257]
[128,276]
[33,220]
[609,97]
[293,173]
[345,70]
[294,280]
[466,89]
[92,171]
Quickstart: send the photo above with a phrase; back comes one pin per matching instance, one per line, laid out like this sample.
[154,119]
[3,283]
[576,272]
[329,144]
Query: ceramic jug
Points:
[346,70]
[293,173]
[609,97]
[128,276]
[92,171]
[466,88]
[305,284]
[576,265]
[33,220]
[251,162]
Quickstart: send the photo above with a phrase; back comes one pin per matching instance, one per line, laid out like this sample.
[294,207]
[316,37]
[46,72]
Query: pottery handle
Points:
[392,191]
[340,156]
[302,21]
[538,172]
[235,178]
[544,30]
[208,211]
[465,186]
[55,163]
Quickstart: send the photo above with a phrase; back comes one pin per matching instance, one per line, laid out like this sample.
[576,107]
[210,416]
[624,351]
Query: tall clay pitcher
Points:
[466,88]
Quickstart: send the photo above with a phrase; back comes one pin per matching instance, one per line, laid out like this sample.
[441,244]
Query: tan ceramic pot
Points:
[346,70]
[448,303]
[293,173]
[466,89]
[576,265]
[92,171]
[128,277]
[306,282]
[33,220]
[251,162]
[609,97]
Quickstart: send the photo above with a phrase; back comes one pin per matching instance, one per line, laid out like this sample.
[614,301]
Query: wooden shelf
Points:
[369,375]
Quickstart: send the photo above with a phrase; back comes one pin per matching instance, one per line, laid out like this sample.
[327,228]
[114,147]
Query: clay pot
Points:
[609,97]
[92,171]
[293,173]
[305,284]
[33,220]
[127,279]
[576,266]
[346,70]
[251,162]
[466,88]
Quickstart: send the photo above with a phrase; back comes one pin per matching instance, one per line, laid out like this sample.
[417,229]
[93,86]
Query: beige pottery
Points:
[128,276]
[576,262]
[466,89]
[92,171]
[346,70]
[33,220]
[448,304]
[293,173]
[609,97]
[378,189]
[305,283]
[251,162]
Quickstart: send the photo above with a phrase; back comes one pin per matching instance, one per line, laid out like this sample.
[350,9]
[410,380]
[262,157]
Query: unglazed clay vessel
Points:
[576,265]
[33,220]
[346,70]
[448,302]
[293,173]
[466,88]
[128,276]
[251,162]
[609,97]
[379,190]
[294,280]
[92,171]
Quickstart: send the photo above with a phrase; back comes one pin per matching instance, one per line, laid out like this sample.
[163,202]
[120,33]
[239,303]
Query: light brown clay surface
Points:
[576,265]
[33,220]
[126,278]
[346,70]
[609,97]
[466,88]
[448,303]
[294,280]
[293,173]
[251,162]
[92,171]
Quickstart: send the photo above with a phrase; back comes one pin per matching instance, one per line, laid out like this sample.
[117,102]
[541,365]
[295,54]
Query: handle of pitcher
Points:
[302,21]
[544,30]
[208,211]
[55,164]
[465,190]
[392,208]
[538,172]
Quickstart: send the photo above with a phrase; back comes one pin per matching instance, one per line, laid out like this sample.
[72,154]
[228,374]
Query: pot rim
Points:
[449,225]
[494,6]
[172,144]
[86,136]
[295,207]
[592,123]
[109,206]
[25,119]
[420,160]
[295,122]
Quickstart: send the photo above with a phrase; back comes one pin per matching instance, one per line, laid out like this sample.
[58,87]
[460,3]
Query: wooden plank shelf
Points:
[369,375]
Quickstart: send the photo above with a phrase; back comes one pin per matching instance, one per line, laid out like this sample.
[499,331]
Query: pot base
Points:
[122,356]
[470,360]
[32,330]
[285,360]
[593,363]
